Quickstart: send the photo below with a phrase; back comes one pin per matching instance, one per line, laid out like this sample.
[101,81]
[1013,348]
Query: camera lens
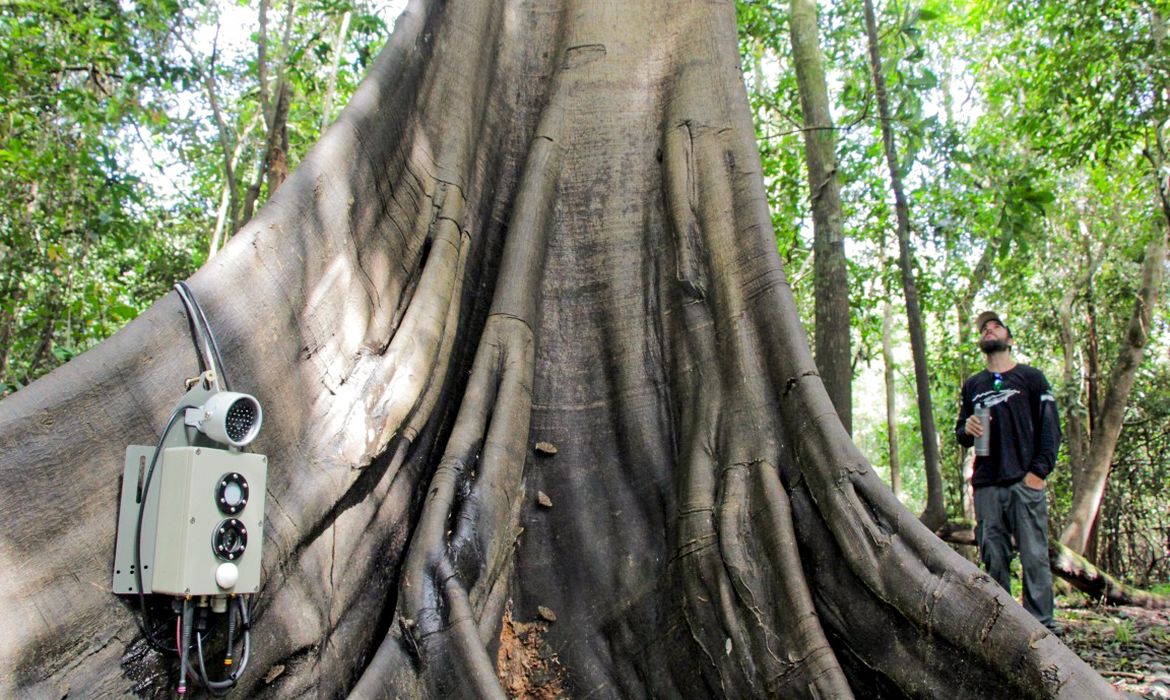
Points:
[230,539]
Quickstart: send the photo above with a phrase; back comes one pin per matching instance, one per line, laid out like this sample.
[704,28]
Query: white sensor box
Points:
[204,510]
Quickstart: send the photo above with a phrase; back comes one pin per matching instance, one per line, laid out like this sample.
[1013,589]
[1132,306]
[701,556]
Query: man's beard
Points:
[990,345]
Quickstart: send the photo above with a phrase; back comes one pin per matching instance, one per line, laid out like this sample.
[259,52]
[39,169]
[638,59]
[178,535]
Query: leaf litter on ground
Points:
[1128,645]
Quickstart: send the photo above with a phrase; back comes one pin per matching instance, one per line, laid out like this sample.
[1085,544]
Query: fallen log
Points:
[1073,568]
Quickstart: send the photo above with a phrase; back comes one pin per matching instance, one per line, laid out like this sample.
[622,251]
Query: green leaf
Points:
[123,312]
[928,80]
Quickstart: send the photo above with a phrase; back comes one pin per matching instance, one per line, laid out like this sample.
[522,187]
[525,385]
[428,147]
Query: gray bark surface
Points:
[533,223]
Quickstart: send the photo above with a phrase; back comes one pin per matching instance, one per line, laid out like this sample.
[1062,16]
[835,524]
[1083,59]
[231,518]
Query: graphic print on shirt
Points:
[990,398]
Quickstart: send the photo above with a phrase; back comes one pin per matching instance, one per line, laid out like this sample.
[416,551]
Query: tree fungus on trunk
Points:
[536,222]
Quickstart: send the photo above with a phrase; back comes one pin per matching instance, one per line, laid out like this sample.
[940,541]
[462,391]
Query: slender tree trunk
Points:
[935,513]
[891,398]
[262,64]
[45,343]
[12,293]
[273,164]
[1087,500]
[223,131]
[1077,433]
[833,318]
[334,67]
[965,457]
[252,192]
[220,222]
[217,236]
[964,308]
[276,162]
[6,319]
[1092,357]
[1156,148]
[530,225]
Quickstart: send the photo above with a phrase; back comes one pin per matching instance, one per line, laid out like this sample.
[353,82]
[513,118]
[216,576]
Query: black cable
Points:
[144,622]
[214,347]
[209,356]
[194,335]
[202,348]
[199,671]
[210,335]
[184,645]
[231,634]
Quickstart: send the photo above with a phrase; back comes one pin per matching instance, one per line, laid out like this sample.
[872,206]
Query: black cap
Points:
[982,319]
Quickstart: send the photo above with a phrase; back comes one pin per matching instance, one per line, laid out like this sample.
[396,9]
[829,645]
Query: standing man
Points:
[1009,481]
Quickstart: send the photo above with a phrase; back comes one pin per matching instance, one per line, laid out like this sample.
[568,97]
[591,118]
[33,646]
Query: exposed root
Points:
[745,599]
[682,197]
[383,385]
[463,541]
[416,352]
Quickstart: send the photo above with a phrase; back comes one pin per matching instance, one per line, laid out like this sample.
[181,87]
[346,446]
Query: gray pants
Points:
[1004,511]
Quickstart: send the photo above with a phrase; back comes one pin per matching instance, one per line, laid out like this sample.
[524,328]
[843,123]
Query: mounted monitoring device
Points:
[191,517]
[202,512]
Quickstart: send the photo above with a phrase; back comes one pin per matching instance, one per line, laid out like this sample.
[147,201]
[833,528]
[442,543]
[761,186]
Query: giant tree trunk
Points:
[533,222]
[934,515]
[833,318]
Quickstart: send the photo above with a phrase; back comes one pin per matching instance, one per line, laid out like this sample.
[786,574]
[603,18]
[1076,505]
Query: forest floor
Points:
[1129,646]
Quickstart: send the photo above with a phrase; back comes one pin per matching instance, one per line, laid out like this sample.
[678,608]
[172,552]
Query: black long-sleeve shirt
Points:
[1025,425]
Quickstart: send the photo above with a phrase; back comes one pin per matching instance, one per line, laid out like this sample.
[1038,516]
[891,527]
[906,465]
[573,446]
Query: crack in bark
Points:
[989,625]
[792,382]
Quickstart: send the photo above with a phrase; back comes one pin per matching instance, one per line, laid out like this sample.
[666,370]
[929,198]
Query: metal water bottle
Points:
[983,442]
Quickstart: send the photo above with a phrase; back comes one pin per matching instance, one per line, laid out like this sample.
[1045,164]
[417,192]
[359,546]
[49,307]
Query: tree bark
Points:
[276,160]
[1087,498]
[1076,412]
[273,162]
[935,513]
[532,224]
[891,393]
[833,317]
